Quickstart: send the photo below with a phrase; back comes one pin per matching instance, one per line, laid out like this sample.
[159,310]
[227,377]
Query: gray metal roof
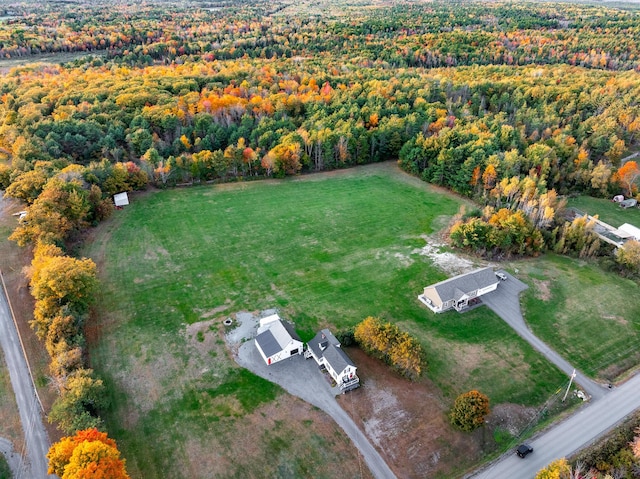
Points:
[458,286]
[292,332]
[323,336]
[337,358]
[268,343]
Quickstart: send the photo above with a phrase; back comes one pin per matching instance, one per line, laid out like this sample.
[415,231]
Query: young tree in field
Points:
[558,469]
[469,411]
[627,176]
[87,454]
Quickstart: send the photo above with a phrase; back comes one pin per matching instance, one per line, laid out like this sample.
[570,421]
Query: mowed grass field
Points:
[607,210]
[326,250]
[590,316]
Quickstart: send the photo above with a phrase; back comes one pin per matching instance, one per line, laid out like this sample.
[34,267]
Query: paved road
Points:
[35,434]
[300,377]
[569,436]
[505,302]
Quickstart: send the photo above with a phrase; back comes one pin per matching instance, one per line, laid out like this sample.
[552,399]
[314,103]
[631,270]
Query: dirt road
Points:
[35,434]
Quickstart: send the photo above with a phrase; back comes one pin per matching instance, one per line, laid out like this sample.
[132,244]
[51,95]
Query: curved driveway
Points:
[607,409]
[35,434]
[505,302]
[300,377]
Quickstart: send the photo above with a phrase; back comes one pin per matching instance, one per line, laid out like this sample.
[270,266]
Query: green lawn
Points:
[591,317]
[607,210]
[326,250]
[5,472]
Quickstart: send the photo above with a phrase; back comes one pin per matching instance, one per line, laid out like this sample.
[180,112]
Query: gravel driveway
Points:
[301,377]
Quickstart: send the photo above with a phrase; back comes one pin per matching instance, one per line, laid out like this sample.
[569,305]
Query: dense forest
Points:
[512,104]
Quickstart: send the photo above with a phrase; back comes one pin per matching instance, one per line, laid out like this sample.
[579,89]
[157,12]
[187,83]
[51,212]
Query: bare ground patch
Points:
[407,422]
[543,289]
[447,261]
[512,418]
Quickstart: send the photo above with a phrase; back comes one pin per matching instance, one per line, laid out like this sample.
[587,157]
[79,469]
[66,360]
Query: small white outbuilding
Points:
[121,199]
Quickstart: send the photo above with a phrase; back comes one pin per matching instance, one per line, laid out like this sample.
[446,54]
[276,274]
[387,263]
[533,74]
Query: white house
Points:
[325,349]
[277,340]
[457,291]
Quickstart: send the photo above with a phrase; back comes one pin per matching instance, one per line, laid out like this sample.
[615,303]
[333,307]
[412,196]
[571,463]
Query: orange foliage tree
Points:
[90,454]
[627,175]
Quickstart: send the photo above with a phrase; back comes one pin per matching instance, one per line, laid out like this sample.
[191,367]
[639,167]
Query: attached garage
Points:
[277,340]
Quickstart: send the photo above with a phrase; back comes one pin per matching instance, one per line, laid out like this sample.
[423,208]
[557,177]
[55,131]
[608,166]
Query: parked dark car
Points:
[523,450]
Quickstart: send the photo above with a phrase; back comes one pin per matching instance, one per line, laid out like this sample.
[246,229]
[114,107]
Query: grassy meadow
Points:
[607,210]
[326,250]
[586,314]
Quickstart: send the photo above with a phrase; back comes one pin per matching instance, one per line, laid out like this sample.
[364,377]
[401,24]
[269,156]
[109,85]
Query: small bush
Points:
[469,411]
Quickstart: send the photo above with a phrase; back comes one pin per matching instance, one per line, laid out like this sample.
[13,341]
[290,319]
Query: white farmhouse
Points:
[325,349]
[277,340]
[457,291]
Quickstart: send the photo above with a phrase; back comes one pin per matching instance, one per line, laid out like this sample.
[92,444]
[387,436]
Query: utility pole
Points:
[573,375]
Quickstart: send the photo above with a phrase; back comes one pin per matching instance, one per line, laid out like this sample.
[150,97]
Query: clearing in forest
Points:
[326,250]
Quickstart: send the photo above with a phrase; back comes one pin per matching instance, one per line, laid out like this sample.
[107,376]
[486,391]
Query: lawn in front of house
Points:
[589,316]
[607,210]
[326,250]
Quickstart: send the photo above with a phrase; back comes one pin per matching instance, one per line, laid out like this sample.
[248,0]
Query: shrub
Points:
[387,342]
[469,411]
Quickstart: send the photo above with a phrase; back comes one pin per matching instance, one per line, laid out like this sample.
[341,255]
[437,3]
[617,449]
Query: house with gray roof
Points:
[456,292]
[277,340]
[325,349]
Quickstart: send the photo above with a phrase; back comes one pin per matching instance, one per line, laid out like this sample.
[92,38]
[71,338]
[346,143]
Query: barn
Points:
[277,340]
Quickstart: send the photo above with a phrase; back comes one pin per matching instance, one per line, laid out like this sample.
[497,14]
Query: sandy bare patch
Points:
[618,319]
[543,289]
[447,261]
[154,255]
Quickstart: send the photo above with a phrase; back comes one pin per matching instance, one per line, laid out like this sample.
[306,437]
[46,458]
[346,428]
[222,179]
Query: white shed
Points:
[121,199]
[277,340]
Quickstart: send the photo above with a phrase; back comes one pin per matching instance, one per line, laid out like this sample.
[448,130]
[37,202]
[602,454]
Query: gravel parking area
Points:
[302,378]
